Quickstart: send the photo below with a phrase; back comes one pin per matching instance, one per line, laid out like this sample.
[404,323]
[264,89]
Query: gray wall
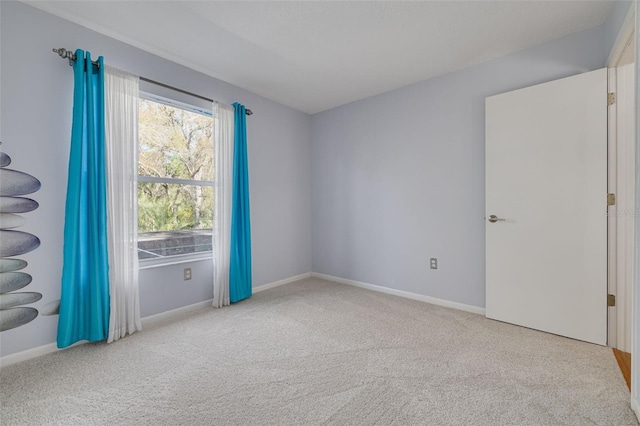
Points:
[614,22]
[35,122]
[399,178]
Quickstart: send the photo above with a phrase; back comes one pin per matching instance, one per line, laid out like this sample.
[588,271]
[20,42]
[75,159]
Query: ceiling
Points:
[316,55]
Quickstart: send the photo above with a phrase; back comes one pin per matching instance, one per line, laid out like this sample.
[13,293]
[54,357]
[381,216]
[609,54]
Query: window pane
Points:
[156,245]
[174,143]
[173,219]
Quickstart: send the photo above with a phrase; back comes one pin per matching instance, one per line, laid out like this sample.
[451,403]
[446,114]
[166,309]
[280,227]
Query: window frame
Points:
[159,261]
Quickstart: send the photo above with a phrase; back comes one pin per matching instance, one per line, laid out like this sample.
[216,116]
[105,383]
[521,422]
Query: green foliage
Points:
[175,144]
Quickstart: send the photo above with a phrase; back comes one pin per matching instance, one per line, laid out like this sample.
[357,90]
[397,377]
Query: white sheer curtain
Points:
[223,159]
[121,131]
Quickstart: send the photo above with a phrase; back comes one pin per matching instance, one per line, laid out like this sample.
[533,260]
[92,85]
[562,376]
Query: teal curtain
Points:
[84,299]
[240,257]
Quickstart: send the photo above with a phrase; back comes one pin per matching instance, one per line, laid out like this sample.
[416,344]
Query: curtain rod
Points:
[67,54]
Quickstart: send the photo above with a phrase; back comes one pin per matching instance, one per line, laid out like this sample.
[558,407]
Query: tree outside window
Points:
[175,180]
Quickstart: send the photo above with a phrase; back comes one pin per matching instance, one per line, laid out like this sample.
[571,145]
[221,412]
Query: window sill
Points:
[174,260]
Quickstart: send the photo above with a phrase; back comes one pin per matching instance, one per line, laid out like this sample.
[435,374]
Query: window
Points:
[175,179]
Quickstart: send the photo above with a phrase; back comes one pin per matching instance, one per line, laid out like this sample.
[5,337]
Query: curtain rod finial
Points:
[65,54]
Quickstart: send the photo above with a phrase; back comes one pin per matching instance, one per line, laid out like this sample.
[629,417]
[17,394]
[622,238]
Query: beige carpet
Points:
[315,352]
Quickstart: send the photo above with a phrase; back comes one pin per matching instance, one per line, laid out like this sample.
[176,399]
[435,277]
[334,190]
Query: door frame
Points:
[621,181]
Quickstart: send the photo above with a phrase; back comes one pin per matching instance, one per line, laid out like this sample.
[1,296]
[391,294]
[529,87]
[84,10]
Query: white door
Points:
[546,182]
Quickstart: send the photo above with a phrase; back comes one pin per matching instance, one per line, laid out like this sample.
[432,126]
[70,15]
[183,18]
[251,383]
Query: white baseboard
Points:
[635,407]
[10,359]
[281,282]
[28,354]
[151,319]
[49,348]
[167,314]
[408,295]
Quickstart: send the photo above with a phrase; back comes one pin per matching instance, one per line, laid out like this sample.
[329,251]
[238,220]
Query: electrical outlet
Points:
[187,274]
[434,263]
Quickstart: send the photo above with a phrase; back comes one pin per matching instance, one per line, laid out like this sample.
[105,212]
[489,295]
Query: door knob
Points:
[493,219]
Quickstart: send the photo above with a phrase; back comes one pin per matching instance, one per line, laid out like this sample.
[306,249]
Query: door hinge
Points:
[611,300]
[611,98]
[611,199]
